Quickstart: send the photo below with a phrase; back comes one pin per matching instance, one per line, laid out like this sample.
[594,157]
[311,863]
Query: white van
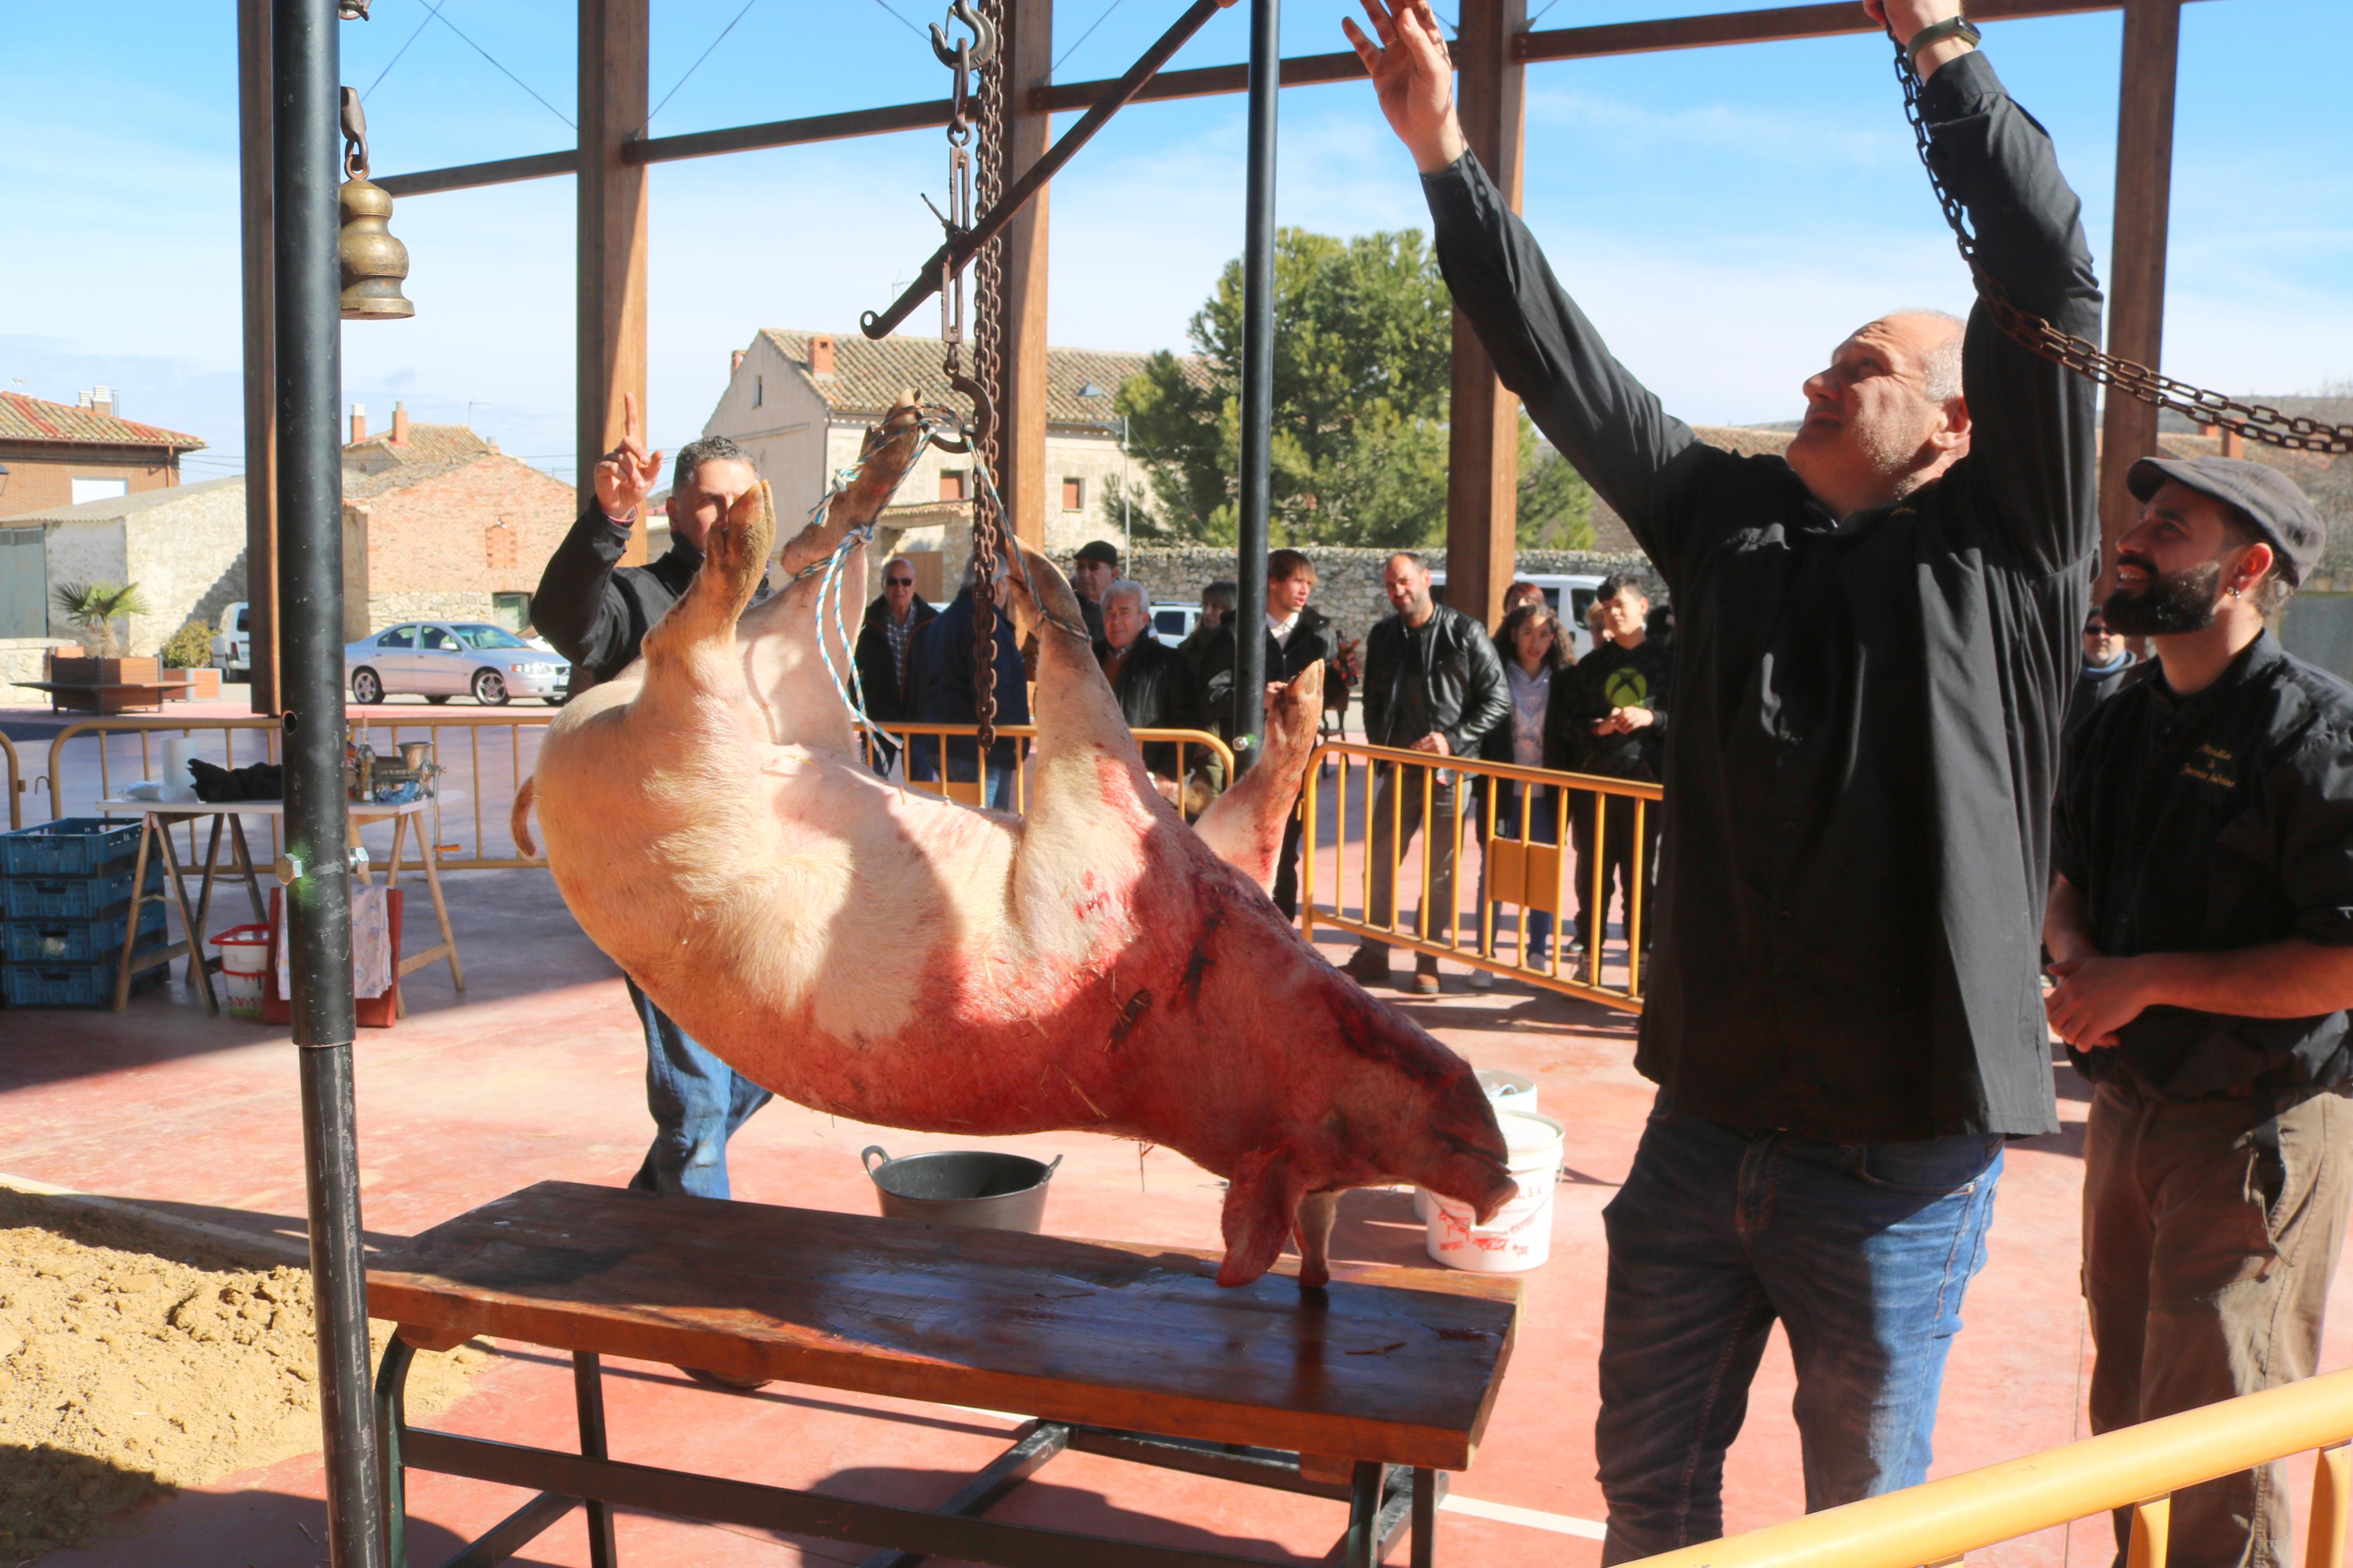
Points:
[1569,594]
[233,644]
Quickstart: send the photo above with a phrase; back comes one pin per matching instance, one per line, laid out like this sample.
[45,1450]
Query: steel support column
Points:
[2136,257]
[1257,490]
[1483,459]
[308,363]
[1021,394]
[254,178]
[610,328]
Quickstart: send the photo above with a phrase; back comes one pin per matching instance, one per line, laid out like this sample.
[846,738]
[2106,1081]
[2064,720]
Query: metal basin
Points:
[962,1186]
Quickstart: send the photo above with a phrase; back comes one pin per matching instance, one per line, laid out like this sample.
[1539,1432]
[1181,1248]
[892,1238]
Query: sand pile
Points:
[134,1361]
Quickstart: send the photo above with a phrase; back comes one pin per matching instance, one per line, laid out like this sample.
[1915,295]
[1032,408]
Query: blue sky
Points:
[1725,214]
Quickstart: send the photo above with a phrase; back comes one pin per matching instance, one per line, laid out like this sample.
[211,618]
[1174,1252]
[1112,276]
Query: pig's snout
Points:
[1472,1163]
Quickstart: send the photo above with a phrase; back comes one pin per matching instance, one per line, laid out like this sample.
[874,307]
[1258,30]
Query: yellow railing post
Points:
[2151,1519]
[2332,1480]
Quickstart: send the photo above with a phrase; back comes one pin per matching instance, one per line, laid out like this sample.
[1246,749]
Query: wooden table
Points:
[157,817]
[1361,1393]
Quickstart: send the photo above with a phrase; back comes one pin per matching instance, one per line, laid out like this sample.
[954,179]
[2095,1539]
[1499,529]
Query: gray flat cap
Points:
[2283,514]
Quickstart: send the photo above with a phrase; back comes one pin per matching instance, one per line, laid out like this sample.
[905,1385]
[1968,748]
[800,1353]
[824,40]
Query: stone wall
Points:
[21,659]
[1349,582]
[391,609]
[187,555]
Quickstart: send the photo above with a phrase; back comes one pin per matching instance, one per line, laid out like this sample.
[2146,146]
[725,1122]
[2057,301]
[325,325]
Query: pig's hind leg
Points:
[1245,825]
[785,642]
[689,653]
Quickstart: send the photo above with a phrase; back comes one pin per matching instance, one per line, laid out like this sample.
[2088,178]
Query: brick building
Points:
[55,455]
[439,524]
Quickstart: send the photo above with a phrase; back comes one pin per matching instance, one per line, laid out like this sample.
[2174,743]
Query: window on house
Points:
[759,390]
[952,484]
[99,489]
[1074,495]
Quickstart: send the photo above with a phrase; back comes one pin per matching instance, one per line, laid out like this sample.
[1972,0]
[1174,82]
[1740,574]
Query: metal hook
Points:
[962,57]
[356,152]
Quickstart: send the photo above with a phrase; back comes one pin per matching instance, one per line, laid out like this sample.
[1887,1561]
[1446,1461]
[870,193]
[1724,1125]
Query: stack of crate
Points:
[65,902]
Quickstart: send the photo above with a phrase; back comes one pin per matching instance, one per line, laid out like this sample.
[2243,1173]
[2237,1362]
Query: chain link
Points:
[988,362]
[2254,421]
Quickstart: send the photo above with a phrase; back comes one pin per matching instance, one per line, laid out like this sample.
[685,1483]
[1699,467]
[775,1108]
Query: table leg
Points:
[204,887]
[441,915]
[138,902]
[204,976]
[588,1394]
[1362,1547]
[392,866]
[245,864]
[391,1417]
[1425,1519]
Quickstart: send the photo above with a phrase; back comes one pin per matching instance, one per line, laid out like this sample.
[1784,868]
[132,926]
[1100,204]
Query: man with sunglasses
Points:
[886,652]
[2106,662]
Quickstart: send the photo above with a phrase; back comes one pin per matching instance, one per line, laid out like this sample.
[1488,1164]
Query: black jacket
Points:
[595,611]
[1867,707]
[1311,638]
[1156,691]
[1609,678]
[1462,681]
[888,699]
[2094,687]
[2207,824]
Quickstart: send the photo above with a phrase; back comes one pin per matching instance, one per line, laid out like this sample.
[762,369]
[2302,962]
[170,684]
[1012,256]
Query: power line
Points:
[903,21]
[1540,15]
[511,76]
[1090,33]
[429,15]
[699,59]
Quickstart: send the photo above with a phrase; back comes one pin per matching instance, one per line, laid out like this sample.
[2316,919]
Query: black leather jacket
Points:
[1463,683]
[887,699]
[1156,691]
[1314,637]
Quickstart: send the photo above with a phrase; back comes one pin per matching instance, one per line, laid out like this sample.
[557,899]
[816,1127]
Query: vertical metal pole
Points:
[305,60]
[1258,384]
[257,173]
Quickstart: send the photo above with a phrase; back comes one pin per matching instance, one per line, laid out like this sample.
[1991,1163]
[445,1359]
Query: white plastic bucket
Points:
[1520,1236]
[1505,1092]
[245,964]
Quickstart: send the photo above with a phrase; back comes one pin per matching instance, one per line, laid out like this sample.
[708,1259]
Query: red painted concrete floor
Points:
[535,1073]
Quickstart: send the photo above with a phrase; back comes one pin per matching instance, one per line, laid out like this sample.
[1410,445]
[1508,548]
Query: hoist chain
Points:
[2254,421]
[975,135]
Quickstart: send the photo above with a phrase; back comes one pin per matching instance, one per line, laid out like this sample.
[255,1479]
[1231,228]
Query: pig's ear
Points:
[1260,1206]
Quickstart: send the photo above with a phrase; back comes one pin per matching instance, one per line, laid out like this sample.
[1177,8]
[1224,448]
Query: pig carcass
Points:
[897,958]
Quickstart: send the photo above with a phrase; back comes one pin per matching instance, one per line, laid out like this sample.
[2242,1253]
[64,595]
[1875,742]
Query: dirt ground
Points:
[135,1359]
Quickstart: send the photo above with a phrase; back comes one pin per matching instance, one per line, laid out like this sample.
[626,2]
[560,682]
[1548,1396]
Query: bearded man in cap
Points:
[1095,568]
[2201,929]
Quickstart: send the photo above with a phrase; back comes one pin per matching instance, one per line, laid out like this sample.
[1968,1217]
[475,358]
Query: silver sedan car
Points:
[441,659]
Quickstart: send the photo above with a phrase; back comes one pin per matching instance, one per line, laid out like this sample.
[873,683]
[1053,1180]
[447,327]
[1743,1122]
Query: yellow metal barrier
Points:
[1519,867]
[457,740]
[1193,748]
[457,746]
[16,785]
[2139,1467]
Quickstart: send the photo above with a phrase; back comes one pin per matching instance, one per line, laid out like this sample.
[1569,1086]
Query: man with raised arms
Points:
[1875,639]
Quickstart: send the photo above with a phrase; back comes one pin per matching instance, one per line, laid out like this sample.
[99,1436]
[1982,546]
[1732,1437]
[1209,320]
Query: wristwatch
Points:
[1937,32]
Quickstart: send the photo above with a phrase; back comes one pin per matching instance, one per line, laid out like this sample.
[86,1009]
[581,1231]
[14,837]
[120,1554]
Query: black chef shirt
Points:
[2209,822]
[1867,709]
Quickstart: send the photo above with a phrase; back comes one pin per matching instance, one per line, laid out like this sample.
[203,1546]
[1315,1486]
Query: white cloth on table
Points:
[371,947]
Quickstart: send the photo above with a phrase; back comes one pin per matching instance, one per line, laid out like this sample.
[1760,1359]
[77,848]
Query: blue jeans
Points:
[697,1100]
[1862,1252]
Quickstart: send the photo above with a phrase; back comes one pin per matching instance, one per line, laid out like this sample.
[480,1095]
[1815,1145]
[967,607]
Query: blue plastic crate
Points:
[75,846]
[72,898]
[81,942]
[70,985]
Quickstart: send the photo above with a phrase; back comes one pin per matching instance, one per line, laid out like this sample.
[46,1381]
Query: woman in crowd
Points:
[1534,649]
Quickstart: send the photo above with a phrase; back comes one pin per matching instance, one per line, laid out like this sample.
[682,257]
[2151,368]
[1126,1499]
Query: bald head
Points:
[1887,415]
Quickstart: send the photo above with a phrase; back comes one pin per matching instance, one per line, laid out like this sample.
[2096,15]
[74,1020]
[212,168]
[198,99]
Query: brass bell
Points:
[374,262]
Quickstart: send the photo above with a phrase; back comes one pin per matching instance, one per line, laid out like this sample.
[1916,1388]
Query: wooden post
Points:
[611,303]
[1021,398]
[2136,257]
[255,171]
[1483,474]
